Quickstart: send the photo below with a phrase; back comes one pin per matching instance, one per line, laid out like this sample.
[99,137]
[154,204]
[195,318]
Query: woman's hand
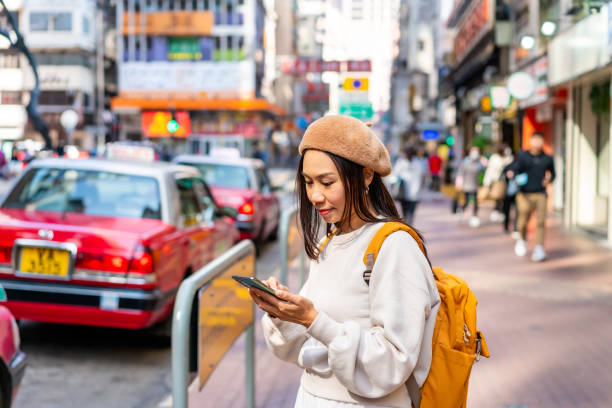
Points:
[293,308]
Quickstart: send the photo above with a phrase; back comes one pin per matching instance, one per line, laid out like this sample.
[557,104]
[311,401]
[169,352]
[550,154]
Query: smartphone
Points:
[251,282]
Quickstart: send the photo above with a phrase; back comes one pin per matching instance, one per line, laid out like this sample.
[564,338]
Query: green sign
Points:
[359,110]
[184,49]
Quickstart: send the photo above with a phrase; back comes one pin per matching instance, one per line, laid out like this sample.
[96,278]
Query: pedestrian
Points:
[509,203]
[410,174]
[435,168]
[358,345]
[493,175]
[469,171]
[458,184]
[534,170]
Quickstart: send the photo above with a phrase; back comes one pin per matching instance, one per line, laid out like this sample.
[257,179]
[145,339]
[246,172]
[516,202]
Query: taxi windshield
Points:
[224,175]
[90,192]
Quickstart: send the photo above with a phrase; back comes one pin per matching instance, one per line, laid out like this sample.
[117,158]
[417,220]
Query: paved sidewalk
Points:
[548,325]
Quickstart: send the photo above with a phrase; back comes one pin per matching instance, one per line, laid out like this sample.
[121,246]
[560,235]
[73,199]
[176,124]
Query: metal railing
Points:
[285,234]
[181,325]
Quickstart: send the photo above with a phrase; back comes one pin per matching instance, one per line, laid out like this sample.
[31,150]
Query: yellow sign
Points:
[44,261]
[356,84]
[171,23]
[225,311]
[485,104]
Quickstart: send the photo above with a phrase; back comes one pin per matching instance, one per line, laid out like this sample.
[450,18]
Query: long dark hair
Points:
[357,197]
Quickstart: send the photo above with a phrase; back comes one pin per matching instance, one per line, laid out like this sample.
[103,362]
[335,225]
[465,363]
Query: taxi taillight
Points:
[101,262]
[247,208]
[142,261]
[5,254]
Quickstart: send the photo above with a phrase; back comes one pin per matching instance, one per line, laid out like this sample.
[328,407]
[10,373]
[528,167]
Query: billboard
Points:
[231,78]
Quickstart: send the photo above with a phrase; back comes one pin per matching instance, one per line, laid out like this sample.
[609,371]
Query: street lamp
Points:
[548,28]
[527,42]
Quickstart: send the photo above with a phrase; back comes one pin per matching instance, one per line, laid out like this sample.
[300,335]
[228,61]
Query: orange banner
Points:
[172,23]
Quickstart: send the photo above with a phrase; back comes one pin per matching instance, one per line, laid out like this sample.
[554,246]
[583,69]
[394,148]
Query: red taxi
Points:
[106,243]
[243,184]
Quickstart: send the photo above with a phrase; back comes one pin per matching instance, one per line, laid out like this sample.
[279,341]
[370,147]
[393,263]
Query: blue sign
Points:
[429,134]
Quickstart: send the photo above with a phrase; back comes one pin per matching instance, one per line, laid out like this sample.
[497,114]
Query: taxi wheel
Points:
[273,235]
[5,387]
[162,332]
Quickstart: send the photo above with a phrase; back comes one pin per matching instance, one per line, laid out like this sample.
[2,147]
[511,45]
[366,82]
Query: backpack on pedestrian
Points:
[456,342]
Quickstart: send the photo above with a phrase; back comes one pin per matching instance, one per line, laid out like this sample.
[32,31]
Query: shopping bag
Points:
[498,190]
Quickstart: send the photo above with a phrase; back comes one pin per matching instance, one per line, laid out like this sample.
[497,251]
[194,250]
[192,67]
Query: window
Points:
[62,22]
[10,98]
[55,98]
[50,21]
[63,59]
[9,60]
[263,181]
[190,205]
[85,25]
[88,192]
[39,21]
[208,205]
[223,175]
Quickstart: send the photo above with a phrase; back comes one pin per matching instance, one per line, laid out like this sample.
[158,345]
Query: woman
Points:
[409,171]
[357,344]
[469,171]
[498,160]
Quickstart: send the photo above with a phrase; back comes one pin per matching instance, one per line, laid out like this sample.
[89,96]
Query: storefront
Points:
[585,73]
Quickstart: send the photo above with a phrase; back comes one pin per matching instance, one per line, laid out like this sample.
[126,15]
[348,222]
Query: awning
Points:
[119,104]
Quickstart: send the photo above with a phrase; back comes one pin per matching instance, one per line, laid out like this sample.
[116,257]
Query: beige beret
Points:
[349,138]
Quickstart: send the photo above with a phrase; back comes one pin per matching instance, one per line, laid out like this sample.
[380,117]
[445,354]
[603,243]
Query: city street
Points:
[77,366]
[546,324]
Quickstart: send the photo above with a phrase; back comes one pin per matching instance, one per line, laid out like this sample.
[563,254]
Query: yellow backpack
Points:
[456,344]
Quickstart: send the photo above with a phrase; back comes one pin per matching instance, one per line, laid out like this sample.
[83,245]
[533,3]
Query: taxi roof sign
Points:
[130,152]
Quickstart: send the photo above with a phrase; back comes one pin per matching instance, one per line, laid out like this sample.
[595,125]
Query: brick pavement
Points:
[547,325]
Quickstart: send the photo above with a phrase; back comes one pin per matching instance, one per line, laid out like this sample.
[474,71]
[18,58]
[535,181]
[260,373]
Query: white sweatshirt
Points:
[366,340]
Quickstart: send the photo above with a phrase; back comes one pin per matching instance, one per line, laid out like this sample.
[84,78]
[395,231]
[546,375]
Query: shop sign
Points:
[580,49]
[538,71]
[184,48]
[471,30]
[500,97]
[156,124]
[237,77]
[170,23]
[521,85]
[306,65]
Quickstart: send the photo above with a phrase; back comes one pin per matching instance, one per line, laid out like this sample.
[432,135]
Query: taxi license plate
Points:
[44,261]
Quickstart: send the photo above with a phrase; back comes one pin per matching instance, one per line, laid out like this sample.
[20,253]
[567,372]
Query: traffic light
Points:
[450,140]
[172,125]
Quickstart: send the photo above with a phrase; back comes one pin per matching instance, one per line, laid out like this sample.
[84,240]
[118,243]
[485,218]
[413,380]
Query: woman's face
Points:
[323,185]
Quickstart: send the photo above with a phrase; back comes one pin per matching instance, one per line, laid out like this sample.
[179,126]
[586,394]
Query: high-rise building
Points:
[198,63]
[13,116]
[361,30]
[61,34]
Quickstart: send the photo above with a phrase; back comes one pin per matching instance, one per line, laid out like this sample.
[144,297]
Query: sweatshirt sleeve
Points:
[551,169]
[374,362]
[284,339]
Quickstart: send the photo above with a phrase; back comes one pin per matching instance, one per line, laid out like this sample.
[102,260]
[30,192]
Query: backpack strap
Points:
[369,258]
[326,240]
[371,253]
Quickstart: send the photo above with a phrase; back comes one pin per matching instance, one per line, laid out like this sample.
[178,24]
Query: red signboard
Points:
[304,66]
[159,124]
[473,24]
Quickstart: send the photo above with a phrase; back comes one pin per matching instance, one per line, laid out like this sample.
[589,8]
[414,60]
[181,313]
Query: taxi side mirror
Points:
[227,212]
